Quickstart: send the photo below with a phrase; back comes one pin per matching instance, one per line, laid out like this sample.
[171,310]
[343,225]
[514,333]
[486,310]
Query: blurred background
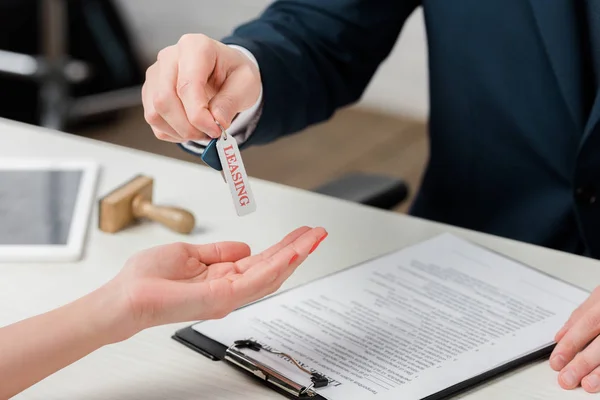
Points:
[77,66]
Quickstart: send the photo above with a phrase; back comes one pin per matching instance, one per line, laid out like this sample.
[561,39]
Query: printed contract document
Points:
[408,325]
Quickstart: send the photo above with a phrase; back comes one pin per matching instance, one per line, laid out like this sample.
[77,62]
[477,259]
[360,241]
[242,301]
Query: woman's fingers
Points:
[288,272]
[226,265]
[216,295]
[219,260]
[243,265]
[268,274]
[220,252]
[184,260]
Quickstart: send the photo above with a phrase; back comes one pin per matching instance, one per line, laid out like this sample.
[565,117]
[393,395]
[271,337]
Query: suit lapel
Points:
[556,22]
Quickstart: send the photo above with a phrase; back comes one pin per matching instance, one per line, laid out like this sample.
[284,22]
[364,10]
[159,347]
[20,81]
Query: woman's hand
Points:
[577,353]
[172,283]
[184,282]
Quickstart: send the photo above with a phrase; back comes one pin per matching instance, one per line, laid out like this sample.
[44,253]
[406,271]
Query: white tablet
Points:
[45,208]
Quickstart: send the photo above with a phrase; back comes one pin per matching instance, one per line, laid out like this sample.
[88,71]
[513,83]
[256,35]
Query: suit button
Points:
[586,195]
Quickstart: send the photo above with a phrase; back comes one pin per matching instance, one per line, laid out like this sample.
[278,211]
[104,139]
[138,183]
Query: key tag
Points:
[234,173]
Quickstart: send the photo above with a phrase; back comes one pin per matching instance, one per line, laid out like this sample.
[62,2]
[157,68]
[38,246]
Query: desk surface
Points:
[153,366]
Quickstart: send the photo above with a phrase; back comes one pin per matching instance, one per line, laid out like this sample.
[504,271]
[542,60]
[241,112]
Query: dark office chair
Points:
[57,73]
[374,190]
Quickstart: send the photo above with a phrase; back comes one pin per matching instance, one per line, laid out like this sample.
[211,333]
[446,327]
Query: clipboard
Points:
[219,352]
[261,372]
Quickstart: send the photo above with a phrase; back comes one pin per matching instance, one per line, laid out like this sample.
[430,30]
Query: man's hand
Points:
[577,353]
[195,82]
[184,282]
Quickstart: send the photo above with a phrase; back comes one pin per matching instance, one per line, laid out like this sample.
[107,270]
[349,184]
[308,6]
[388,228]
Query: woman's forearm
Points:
[37,347]
[166,284]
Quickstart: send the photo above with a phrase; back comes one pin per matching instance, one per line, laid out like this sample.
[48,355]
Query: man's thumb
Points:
[237,94]
[223,108]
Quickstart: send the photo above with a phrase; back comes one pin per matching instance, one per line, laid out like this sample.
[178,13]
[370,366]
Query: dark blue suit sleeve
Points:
[316,56]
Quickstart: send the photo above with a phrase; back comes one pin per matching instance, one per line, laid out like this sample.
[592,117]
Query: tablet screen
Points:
[37,206]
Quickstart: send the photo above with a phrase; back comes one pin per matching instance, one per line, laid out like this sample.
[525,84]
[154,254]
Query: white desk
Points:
[152,365]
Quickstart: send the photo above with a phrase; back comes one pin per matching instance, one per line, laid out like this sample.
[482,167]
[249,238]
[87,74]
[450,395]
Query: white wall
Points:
[399,86]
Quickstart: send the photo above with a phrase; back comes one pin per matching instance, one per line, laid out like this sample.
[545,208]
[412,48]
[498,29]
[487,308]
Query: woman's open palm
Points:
[185,282]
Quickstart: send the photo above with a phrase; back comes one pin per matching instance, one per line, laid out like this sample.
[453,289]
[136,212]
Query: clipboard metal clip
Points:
[235,356]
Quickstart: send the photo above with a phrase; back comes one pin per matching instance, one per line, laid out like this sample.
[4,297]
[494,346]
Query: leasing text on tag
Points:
[235,175]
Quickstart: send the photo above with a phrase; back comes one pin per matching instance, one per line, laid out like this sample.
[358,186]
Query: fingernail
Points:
[293,259]
[215,131]
[557,362]
[593,382]
[568,377]
[318,243]
[561,332]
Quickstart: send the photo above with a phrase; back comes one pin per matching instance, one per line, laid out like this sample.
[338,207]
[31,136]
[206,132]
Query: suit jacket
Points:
[514,135]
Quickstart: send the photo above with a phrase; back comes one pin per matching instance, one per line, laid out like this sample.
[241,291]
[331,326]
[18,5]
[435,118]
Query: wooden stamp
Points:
[133,201]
